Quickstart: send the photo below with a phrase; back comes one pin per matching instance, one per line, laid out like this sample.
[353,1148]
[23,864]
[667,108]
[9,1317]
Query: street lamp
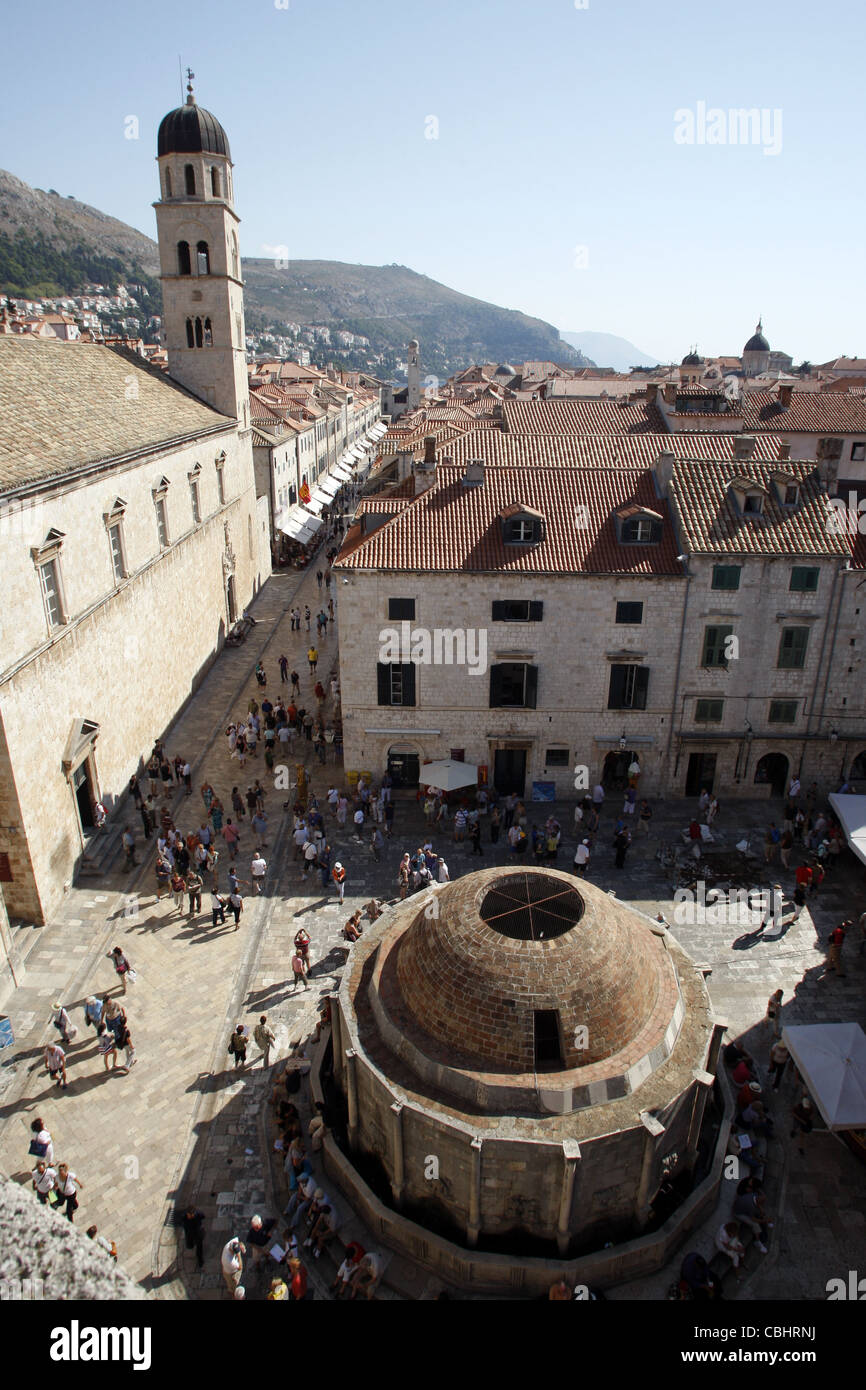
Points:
[623,742]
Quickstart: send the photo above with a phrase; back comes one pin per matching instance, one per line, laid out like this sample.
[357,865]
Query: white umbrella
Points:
[448,775]
[831,1058]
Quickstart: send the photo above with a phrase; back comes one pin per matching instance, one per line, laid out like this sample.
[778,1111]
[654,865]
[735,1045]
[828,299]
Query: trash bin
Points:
[7,1037]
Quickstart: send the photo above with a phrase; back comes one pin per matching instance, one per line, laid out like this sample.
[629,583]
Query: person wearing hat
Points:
[279,1291]
[749,1091]
[232,1264]
[338,874]
[62,1022]
[581,858]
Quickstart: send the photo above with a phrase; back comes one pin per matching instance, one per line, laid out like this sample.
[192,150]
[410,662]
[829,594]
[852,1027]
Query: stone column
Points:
[473,1229]
[647,1185]
[352,1095]
[570,1155]
[398,1182]
[719,1026]
[337,1045]
[703,1089]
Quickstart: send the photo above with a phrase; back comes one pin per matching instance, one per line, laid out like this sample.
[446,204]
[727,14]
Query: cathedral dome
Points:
[757,342]
[692,360]
[190,129]
[511,951]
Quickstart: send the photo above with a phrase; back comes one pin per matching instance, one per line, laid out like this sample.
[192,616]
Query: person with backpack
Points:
[338,874]
[122,967]
[64,1025]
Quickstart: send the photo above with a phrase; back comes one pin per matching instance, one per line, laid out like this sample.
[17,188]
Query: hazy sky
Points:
[556,183]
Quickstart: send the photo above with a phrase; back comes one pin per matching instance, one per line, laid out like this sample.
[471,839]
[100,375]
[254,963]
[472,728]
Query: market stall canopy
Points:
[329,486]
[851,811]
[448,775]
[342,472]
[831,1058]
[300,524]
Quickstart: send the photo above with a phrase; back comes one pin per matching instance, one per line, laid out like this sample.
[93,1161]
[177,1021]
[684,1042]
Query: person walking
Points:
[313,658]
[44,1180]
[377,844]
[475,837]
[773,1016]
[232,1264]
[835,942]
[265,1038]
[231,835]
[42,1144]
[107,1047]
[778,1062]
[128,842]
[178,888]
[803,1116]
[55,1064]
[237,1046]
[218,909]
[644,817]
[258,869]
[124,1040]
[67,1187]
[338,874]
[622,842]
[772,839]
[299,972]
[581,858]
[63,1023]
[194,886]
[284,670]
[236,903]
[296,685]
[193,1231]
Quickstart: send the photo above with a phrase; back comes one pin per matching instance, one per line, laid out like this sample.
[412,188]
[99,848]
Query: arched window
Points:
[199,338]
[236,269]
[184,266]
[202,258]
[208,333]
[215,181]
[189,175]
[168,183]
[190,338]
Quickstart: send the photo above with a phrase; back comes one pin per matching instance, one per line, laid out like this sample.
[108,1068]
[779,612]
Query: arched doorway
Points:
[858,768]
[614,773]
[773,769]
[404,764]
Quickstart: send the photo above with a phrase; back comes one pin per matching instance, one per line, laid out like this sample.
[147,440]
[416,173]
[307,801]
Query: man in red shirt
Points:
[803,875]
[298,1284]
[834,951]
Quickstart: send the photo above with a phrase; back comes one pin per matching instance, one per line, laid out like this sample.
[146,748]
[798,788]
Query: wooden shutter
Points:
[383,673]
[641,686]
[536,611]
[409,683]
[498,611]
[531,687]
[616,694]
[495,687]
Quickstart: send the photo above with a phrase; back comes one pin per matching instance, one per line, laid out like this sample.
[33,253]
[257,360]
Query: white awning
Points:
[831,1058]
[357,452]
[330,486]
[342,472]
[314,506]
[851,811]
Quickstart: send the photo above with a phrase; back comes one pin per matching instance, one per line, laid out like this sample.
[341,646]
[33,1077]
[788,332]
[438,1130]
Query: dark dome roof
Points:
[757,342]
[692,360]
[504,369]
[190,129]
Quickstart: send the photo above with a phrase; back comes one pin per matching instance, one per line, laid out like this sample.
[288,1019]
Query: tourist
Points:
[44,1180]
[192,1223]
[178,888]
[559,1291]
[232,1264]
[107,1047]
[265,1038]
[63,1023]
[67,1186]
[644,817]
[217,909]
[237,1045]
[258,869]
[298,1284]
[621,843]
[113,1016]
[367,1276]
[778,1062]
[803,1117]
[194,887]
[102,1242]
[353,1255]
[299,971]
[312,655]
[750,1211]
[581,858]
[773,1016]
[702,1283]
[728,1242]
[835,942]
[338,874]
[475,837]
[236,903]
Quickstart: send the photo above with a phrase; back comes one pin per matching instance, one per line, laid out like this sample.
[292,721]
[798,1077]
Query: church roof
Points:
[66,405]
[190,129]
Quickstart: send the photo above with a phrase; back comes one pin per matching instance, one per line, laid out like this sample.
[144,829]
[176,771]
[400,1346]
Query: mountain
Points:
[610,351]
[52,245]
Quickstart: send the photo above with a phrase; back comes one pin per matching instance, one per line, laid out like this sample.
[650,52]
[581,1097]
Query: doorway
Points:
[772,768]
[701,773]
[548,1047]
[403,767]
[84,796]
[231,601]
[614,773]
[509,771]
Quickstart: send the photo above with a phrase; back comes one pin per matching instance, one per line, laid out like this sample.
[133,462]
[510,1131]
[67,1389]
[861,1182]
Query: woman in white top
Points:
[41,1136]
[44,1180]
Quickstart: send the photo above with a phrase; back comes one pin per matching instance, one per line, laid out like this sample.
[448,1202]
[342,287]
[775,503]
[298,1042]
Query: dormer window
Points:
[639,526]
[749,496]
[753,502]
[787,488]
[521,525]
[792,495]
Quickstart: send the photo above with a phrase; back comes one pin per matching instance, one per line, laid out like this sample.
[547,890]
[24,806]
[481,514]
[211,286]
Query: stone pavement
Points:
[185,1126]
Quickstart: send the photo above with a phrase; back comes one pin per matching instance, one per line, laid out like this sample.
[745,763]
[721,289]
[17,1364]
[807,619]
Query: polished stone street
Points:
[181,1125]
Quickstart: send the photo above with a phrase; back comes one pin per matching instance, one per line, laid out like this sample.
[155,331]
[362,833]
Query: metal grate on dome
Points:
[531,907]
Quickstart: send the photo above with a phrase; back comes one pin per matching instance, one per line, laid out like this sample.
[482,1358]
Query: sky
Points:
[561,157]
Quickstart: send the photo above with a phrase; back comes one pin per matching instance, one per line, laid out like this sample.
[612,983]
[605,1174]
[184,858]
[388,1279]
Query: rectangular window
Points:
[628,687]
[715,639]
[517,611]
[783,712]
[49,578]
[556,757]
[804,579]
[629,612]
[401,609]
[792,648]
[858,452]
[221,487]
[194,498]
[709,711]
[513,685]
[118,564]
[519,532]
[726,576]
[161,522]
[396,683]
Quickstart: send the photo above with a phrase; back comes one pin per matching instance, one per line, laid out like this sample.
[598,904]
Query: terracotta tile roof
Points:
[577,416]
[810,412]
[382,504]
[450,527]
[611,450]
[66,405]
[711,522]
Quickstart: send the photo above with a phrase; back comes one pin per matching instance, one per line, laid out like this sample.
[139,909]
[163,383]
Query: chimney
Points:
[784,451]
[670,393]
[430,449]
[474,474]
[785,394]
[744,446]
[664,467]
[650,391]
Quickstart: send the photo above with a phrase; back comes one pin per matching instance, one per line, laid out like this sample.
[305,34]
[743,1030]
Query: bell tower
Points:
[413,374]
[199,258]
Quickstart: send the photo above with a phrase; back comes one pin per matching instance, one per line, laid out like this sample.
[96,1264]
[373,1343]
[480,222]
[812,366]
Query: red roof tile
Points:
[810,412]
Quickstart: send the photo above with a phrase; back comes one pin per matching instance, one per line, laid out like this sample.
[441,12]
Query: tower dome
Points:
[189,129]
[757,342]
[692,359]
